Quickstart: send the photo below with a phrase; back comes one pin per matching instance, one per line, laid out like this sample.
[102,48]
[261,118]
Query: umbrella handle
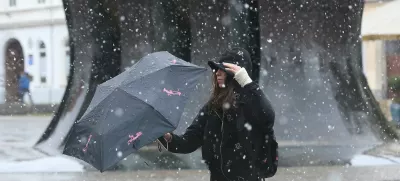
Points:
[160,144]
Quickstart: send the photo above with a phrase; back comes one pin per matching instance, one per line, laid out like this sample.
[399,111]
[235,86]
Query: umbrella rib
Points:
[103,85]
[146,74]
[161,115]
[122,83]
[104,133]
[101,153]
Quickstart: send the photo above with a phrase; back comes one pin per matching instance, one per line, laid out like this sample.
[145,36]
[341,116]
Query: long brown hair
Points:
[220,96]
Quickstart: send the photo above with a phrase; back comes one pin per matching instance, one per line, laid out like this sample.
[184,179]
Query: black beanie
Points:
[238,56]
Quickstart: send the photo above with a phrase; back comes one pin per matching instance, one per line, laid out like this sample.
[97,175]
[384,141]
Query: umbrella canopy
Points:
[382,23]
[133,109]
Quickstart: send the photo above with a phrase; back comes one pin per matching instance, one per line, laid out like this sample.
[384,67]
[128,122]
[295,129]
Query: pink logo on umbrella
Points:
[171,92]
[173,61]
[87,143]
[132,138]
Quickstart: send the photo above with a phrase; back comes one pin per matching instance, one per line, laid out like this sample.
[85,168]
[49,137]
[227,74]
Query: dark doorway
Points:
[14,64]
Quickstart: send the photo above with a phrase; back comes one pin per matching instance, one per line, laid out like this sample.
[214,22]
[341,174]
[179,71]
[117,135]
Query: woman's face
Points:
[221,77]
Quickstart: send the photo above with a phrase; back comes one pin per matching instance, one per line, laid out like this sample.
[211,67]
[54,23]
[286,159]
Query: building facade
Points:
[33,38]
[380,57]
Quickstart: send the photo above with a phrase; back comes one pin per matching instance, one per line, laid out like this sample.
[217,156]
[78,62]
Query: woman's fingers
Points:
[231,67]
[228,65]
[230,70]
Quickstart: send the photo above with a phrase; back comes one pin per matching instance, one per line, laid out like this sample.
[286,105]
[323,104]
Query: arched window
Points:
[13,3]
[42,62]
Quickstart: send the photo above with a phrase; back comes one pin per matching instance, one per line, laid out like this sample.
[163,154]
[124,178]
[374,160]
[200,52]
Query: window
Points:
[67,57]
[392,47]
[41,1]
[42,62]
[13,3]
[30,44]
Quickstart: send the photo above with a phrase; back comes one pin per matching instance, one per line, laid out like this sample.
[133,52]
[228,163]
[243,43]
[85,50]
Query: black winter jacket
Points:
[217,133]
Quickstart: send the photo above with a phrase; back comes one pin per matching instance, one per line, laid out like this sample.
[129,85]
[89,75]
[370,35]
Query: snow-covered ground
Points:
[367,160]
[45,164]
[17,136]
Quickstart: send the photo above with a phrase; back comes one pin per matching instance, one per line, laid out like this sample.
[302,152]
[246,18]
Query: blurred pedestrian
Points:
[23,86]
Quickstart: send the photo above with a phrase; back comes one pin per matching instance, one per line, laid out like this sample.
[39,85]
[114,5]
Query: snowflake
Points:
[248,126]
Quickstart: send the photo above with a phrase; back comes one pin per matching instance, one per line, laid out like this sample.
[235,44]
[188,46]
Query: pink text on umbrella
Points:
[171,92]
[87,143]
[132,138]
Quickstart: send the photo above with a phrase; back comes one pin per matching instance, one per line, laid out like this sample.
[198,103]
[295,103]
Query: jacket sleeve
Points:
[191,140]
[256,101]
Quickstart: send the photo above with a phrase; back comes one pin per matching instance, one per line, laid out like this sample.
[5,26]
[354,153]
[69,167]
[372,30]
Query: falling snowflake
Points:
[226,105]
[283,120]
[248,126]
[119,112]
[264,72]
[119,154]
[286,131]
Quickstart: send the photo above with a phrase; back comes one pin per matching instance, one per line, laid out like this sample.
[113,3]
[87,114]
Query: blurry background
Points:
[329,72]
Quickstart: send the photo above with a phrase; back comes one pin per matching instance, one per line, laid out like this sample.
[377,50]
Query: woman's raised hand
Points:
[240,73]
[232,67]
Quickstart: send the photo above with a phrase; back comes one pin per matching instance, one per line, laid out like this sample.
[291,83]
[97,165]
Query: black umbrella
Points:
[133,110]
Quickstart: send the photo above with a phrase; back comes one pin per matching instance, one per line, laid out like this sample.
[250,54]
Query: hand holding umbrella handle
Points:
[168,137]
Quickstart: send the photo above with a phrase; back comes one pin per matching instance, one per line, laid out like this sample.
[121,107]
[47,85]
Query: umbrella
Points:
[133,109]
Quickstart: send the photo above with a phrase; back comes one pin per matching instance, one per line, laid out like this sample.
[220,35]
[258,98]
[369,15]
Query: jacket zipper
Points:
[220,145]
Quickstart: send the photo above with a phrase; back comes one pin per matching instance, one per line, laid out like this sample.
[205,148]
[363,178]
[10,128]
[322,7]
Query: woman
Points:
[216,127]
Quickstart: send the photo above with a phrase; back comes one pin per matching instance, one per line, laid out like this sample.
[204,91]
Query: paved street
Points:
[388,173]
[18,134]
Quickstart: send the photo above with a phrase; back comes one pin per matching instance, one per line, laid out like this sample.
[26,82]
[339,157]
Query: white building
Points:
[34,33]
